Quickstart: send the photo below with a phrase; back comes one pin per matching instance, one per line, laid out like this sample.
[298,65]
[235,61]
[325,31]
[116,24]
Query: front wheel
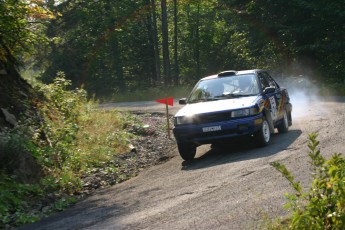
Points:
[263,136]
[187,151]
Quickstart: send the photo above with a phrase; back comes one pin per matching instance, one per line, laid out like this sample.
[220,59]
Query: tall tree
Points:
[116,75]
[197,42]
[176,66]
[165,43]
[155,42]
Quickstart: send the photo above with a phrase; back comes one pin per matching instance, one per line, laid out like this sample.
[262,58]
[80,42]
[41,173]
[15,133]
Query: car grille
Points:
[209,118]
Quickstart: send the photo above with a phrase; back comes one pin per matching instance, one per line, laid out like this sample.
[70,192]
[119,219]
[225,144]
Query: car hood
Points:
[220,105]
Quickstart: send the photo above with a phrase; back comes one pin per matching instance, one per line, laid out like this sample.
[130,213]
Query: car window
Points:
[225,87]
[207,89]
[230,85]
[264,83]
[247,84]
[271,81]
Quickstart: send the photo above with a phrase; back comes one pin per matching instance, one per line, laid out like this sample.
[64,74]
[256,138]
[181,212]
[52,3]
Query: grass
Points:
[102,136]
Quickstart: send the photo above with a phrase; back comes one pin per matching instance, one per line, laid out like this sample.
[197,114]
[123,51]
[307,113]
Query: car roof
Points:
[229,73]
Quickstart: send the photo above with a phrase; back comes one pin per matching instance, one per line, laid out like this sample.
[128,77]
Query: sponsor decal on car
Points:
[211,128]
[273,108]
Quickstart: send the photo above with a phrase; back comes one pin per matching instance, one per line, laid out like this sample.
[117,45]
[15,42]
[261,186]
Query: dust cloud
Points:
[303,94]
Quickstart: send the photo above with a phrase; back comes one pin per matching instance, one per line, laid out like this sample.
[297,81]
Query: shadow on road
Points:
[241,150]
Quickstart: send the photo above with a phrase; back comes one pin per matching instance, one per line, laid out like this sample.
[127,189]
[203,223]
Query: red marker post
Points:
[167,101]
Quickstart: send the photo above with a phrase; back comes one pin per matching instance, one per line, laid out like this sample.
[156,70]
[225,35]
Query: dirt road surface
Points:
[231,187]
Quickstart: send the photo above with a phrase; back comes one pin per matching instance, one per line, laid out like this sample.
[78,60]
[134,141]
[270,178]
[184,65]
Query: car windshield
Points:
[224,88]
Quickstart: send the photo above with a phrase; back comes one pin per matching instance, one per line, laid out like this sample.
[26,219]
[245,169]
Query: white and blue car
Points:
[231,104]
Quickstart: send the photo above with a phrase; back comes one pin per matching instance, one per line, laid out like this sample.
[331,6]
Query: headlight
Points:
[183,120]
[244,112]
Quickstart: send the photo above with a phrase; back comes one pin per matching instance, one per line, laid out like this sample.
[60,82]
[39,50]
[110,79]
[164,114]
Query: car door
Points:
[279,96]
[272,94]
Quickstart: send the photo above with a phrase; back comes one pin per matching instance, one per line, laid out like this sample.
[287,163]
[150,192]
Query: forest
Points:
[111,47]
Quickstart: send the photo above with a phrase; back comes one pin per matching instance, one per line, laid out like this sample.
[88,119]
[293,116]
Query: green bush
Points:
[323,206]
[13,204]
[61,115]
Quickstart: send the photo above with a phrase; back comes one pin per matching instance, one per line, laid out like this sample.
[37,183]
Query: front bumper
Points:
[210,132]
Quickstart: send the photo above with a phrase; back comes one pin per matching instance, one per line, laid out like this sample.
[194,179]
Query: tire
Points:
[290,118]
[284,126]
[187,151]
[263,136]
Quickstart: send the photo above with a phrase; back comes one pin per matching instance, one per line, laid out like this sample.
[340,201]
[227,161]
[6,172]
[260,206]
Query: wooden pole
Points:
[167,111]
[167,101]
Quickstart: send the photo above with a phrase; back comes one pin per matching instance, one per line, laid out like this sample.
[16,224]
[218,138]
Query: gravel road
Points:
[229,187]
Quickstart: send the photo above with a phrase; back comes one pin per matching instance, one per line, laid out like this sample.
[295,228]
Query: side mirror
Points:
[269,90]
[182,101]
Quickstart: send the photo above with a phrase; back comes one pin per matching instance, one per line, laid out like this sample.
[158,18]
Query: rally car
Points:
[231,104]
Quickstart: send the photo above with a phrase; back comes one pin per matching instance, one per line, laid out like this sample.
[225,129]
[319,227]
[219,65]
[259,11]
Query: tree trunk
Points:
[155,42]
[165,44]
[117,63]
[197,44]
[176,66]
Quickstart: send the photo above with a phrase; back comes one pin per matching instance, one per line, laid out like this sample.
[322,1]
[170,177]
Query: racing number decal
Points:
[273,108]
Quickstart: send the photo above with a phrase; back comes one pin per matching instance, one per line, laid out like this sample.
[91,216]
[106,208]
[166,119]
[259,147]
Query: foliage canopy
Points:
[22,26]
[110,46]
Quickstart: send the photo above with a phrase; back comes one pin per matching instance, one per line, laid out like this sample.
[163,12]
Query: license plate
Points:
[211,129]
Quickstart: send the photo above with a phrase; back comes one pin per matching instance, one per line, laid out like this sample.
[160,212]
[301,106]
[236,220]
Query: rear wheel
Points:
[263,136]
[284,126]
[187,151]
[290,118]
